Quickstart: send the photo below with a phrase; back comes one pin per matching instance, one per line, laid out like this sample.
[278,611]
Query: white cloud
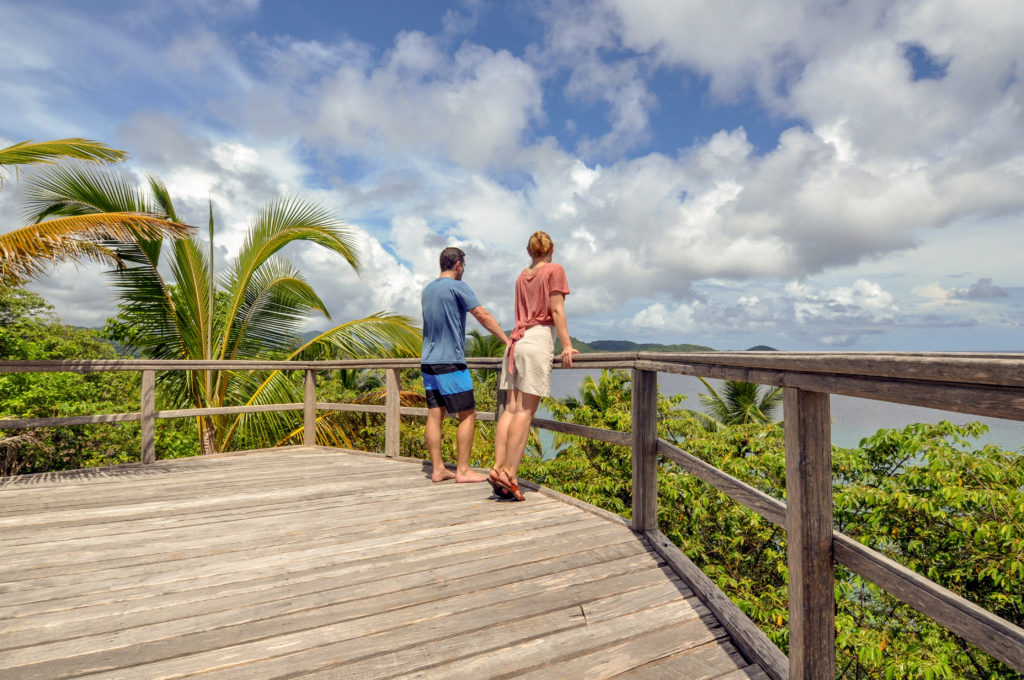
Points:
[471,108]
[884,183]
[982,289]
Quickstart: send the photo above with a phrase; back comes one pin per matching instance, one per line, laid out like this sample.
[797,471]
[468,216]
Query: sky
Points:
[809,175]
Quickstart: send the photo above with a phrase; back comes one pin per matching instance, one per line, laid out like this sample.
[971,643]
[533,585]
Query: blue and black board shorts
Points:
[448,385]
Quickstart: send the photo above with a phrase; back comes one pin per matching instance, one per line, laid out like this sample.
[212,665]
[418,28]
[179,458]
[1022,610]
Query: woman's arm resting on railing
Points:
[557,302]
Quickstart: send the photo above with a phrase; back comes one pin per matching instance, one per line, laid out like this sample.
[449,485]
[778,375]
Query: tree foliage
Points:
[924,496]
[254,309]
[29,330]
[80,232]
[737,403]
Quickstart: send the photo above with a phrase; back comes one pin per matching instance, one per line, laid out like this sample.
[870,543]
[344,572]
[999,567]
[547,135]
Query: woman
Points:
[526,369]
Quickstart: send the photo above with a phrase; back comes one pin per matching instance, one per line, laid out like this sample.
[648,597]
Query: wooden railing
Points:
[978,384]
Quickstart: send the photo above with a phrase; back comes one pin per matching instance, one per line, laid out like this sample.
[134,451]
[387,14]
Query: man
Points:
[448,384]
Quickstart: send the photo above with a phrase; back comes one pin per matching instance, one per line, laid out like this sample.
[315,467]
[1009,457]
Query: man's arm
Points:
[488,322]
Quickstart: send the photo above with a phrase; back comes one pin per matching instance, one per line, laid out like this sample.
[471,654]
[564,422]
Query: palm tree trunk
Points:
[207,438]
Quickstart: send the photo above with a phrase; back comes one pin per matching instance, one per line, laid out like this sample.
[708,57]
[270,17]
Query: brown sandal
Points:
[509,489]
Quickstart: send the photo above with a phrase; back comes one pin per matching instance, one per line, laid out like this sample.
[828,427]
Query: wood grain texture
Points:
[392,413]
[996,401]
[600,434]
[645,450]
[309,408]
[751,641]
[953,367]
[310,562]
[812,630]
[148,424]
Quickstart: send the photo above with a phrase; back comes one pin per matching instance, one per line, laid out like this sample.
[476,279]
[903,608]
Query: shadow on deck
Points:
[314,562]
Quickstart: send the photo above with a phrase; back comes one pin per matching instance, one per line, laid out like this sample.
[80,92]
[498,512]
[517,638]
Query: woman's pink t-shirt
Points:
[533,291]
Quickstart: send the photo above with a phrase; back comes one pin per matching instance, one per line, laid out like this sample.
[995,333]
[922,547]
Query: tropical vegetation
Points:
[737,403]
[28,252]
[253,309]
[29,330]
[924,496]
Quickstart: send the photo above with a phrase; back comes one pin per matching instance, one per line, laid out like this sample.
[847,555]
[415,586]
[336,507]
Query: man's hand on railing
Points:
[566,356]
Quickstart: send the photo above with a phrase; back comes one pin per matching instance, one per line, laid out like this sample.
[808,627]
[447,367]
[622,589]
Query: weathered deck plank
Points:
[312,563]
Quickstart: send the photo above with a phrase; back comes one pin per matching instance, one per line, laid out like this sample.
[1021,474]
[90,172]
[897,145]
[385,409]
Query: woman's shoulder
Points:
[554,270]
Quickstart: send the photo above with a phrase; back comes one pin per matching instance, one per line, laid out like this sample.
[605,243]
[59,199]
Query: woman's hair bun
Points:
[540,244]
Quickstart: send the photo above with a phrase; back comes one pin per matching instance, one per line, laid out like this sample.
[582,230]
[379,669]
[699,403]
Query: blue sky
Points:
[809,175]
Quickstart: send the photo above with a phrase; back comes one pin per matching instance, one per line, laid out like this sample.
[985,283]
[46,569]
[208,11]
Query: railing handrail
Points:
[980,384]
[971,383]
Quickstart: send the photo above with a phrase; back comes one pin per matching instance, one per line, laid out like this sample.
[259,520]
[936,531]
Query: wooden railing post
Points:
[645,450]
[502,398]
[148,424]
[309,409]
[392,412]
[812,631]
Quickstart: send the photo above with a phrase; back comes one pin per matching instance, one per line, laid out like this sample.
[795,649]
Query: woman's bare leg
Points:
[501,433]
[519,430]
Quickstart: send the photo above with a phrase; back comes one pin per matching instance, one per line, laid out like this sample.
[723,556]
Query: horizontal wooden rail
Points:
[753,499]
[954,367]
[973,383]
[64,421]
[358,408]
[995,635]
[983,400]
[227,410]
[600,434]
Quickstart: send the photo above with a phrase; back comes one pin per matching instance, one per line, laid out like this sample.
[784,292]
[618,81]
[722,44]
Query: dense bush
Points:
[29,330]
[923,495]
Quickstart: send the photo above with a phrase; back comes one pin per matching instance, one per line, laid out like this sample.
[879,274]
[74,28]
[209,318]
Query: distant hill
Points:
[762,348]
[629,346]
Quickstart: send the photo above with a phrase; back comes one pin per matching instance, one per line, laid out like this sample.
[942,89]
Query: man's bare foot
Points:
[469,476]
[442,475]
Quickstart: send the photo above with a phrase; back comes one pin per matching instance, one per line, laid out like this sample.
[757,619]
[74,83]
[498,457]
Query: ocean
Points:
[852,418]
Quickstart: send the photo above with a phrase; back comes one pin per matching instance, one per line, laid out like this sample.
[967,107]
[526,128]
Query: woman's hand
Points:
[566,356]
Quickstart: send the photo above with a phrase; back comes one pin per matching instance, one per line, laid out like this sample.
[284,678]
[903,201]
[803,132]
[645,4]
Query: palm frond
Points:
[258,388]
[75,189]
[378,335]
[191,273]
[28,252]
[741,402]
[34,153]
[708,423]
[148,309]
[78,190]
[481,345]
[281,222]
[162,198]
[276,301]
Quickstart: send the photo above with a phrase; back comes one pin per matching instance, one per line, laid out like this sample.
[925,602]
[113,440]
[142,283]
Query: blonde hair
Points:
[540,244]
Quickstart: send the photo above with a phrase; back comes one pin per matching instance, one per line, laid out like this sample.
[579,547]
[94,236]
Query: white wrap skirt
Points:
[530,370]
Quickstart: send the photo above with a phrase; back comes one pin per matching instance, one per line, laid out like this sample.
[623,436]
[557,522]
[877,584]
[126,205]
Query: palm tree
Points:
[484,345]
[597,394]
[27,252]
[253,309]
[739,403]
[33,153]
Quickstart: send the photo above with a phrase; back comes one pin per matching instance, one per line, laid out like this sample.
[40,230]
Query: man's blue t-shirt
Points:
[445,303]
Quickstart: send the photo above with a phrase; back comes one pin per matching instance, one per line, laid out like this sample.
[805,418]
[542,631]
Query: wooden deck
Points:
[311,562]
